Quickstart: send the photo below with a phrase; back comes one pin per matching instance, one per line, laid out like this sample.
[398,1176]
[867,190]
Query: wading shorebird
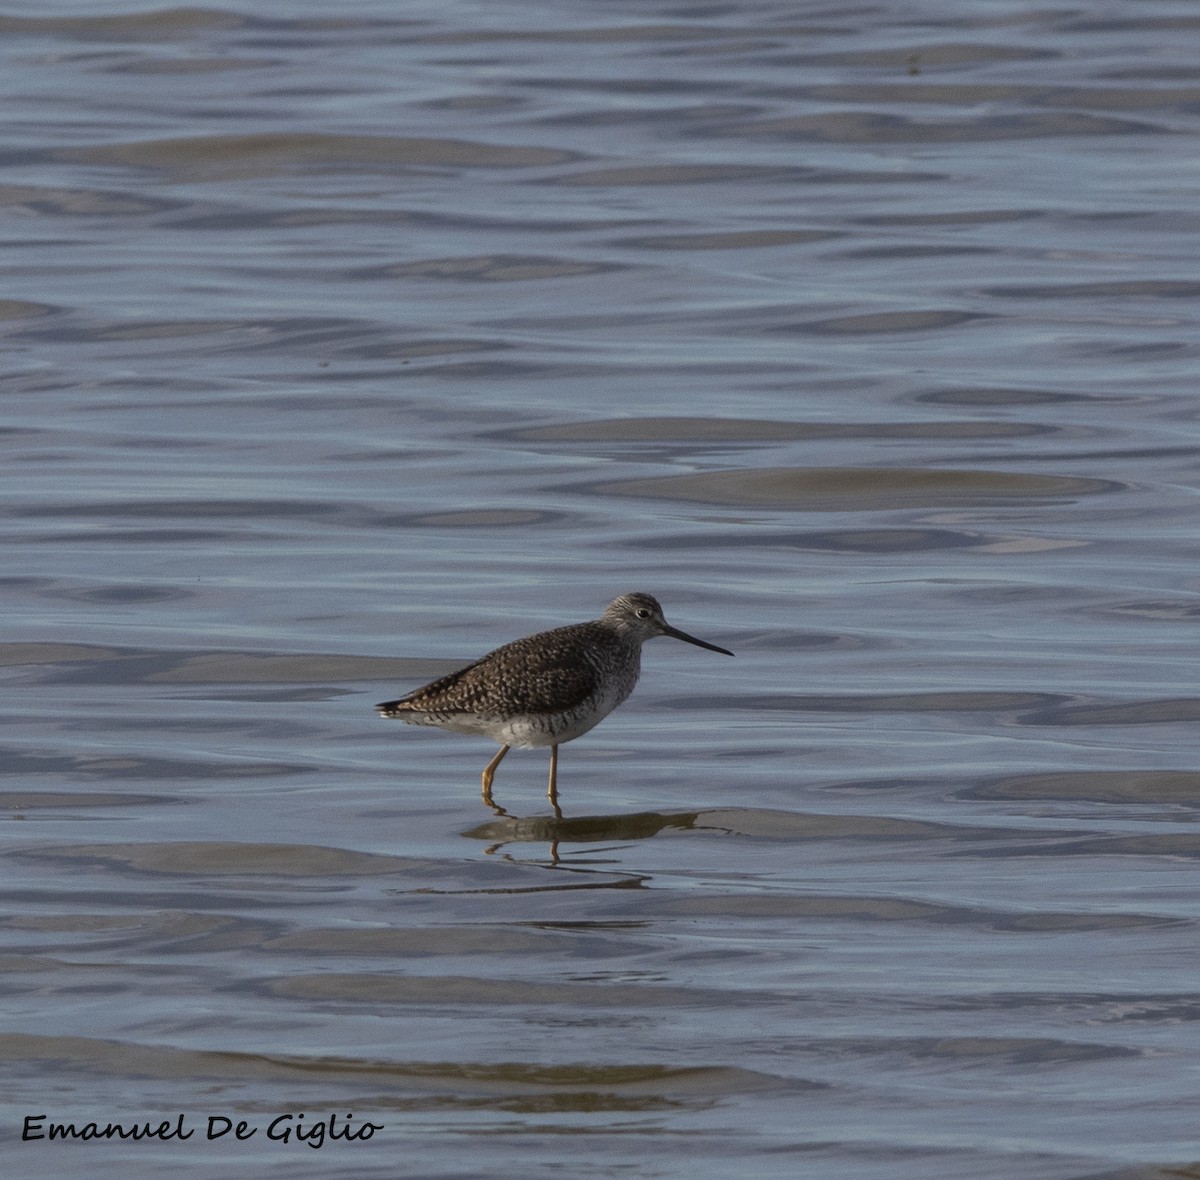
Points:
[547,688]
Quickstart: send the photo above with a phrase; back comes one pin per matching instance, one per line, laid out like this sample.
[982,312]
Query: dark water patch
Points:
[750,430]
[22,309]
[1171,787]
[1097,1007]
[656,174]
[422,349]
[926,320]
[401,943]
[22,584]
[1172,845]
[746,239]
[952,217]
[382,992]
[651,115]
[1086,923]
[1148,71]
[281,696]
[1059,98]
[63,896]
[476,102]
[344,512]
[659,86]
[123,595]
[228,859]
[951,701]
[64,800]
[443,1079]
[256,668]
[752,317]
[779,639]
[29,437]
[64,202]
[147,930]
[1049,455]
[162,24]
[191,65]
[1159,712]
[260,220]
[851,489]
[947,250]
[987,396]
[493,268]
[908,90]
[982,1051]
[1166,1009]
[125,767]
[762,824]
[123,537]
[1127,98]
[899,541]
[950,53]
[248,156]
[1165,609]
[503,370]
[838,909]
[858,127]
[487,518]
[648,33]
[1153,350]
[1166,22]
[29,964]
[85,664]
[18,654]
[1109,289]
[247,335]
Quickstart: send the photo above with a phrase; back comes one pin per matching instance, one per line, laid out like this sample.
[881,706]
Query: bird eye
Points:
[643,613]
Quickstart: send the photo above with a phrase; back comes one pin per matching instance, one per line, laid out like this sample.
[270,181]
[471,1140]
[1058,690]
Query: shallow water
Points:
[342,345]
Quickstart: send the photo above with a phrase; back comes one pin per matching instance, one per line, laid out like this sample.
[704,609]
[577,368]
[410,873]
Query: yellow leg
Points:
[489,772]
[552,791]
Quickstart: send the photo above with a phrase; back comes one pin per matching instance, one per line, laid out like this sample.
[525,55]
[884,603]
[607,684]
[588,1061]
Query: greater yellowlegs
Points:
[547,688]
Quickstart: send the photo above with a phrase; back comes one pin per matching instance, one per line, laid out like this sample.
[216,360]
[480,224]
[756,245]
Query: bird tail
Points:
[391,708]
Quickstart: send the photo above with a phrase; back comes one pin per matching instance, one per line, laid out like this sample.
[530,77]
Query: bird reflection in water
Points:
[593,830]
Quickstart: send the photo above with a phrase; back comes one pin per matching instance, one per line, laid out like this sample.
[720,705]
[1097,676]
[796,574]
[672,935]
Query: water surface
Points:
[342,345]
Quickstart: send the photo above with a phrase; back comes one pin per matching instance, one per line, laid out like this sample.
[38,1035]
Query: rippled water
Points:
[343,343]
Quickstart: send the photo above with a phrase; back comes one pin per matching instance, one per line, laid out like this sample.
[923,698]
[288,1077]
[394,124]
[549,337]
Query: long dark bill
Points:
[674,633]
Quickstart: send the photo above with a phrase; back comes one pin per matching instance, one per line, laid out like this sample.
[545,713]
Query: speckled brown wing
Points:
[541,674]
